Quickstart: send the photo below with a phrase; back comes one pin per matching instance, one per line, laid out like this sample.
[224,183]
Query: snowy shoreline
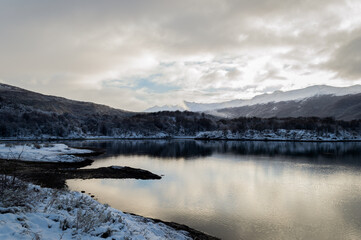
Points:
[42,152]
[29,211]
[50,165]
[248,135]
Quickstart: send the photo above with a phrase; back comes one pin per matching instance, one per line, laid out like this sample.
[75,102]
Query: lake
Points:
[238,190]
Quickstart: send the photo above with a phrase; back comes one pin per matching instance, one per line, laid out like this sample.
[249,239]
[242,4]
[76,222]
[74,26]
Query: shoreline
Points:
[55,174]
[191,232]
[176,138]
[195,234]
[30,211]
[39,173]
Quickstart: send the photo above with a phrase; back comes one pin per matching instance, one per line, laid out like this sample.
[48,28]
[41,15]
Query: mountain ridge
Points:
[346,107]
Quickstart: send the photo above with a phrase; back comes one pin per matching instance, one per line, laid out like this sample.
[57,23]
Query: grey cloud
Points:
[177,27]
[234,74]
[346,61]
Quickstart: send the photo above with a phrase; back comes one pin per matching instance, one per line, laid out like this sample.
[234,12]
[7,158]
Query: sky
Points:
[136,54]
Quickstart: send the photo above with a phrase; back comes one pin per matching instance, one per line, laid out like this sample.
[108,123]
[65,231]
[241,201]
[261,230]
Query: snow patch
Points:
[41,152]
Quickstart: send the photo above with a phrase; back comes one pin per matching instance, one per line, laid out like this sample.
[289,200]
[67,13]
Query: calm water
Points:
[239,190]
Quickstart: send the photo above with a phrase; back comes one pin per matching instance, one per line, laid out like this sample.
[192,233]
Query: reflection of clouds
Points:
[257,197]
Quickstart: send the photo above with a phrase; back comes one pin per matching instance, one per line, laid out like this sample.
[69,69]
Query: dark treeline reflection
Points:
[344,152]
[153,148]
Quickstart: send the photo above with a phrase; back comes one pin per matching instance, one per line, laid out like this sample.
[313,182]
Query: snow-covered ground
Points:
[41,152]
[281,134]
[30,212]
[76,136]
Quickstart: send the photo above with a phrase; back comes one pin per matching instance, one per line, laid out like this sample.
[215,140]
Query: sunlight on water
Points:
[239,196]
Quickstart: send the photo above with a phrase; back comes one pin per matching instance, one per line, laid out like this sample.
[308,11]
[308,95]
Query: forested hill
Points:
[25,114]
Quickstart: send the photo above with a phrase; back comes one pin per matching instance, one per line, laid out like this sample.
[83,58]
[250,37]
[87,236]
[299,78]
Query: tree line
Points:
[23,121]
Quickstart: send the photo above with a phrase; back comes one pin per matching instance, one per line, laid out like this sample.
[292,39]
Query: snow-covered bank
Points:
[30,212]
[41,152]
[281,135]
[268,134]
[128,135]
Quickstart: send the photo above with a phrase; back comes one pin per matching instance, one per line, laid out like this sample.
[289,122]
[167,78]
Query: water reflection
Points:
[235,192]
[345,153]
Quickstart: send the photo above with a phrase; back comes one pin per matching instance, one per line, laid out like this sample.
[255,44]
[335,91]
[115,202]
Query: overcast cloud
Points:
[135,54]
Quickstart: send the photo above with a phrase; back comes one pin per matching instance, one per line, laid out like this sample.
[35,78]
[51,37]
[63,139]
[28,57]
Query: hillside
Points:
[28,114]
[10,95]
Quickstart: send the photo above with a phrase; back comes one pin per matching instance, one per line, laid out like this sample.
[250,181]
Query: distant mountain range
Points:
[341,103]
[275,97]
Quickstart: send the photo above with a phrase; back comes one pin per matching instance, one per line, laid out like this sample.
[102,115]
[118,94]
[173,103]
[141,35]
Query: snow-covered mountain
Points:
[277,96]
